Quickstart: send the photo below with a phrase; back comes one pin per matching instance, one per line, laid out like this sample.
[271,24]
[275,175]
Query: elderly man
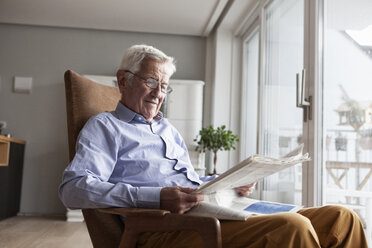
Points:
[133,157]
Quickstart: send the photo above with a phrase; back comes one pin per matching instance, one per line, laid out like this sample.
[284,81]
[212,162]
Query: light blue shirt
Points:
[122,160]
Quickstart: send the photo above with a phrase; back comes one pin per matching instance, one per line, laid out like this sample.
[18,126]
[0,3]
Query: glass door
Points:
[347,111]
[281,122]
[250,94]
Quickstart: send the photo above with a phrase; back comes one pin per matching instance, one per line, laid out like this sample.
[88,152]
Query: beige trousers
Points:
[329,226]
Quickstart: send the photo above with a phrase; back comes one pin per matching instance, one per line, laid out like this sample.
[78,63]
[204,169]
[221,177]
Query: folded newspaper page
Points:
[222,201]
[253,169]
[241,208]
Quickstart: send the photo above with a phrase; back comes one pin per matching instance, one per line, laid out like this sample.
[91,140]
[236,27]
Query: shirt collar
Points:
[127,115]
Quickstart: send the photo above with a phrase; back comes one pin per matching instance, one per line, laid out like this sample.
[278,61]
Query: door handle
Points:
[301,101]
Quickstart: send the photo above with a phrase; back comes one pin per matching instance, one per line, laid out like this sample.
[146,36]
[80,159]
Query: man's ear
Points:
[122,79]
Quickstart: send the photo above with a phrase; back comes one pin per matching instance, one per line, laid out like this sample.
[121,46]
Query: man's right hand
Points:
[179,199]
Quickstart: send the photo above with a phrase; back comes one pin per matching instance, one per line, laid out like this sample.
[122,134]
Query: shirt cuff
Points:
[208,178]
[148,197]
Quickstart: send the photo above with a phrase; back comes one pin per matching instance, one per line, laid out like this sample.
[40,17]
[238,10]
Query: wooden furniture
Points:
[11,169]
[85,98]
[345,166]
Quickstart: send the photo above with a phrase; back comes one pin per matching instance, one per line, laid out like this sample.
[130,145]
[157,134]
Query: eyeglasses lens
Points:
[153,84]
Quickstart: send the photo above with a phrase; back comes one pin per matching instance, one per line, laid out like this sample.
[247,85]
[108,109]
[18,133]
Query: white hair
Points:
[134,56]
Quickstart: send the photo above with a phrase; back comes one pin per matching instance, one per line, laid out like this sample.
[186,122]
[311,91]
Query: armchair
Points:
[85,98]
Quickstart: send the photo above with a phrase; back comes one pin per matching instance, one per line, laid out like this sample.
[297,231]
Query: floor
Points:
[43,232]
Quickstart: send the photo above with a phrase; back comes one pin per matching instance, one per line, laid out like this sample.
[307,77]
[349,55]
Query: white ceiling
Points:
[186,17]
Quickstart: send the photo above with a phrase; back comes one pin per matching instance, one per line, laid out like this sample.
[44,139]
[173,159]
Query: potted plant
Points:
[214,140]
[351,112]
[365,139]
[340,142]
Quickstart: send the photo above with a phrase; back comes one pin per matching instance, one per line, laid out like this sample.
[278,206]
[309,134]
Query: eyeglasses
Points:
[153,83]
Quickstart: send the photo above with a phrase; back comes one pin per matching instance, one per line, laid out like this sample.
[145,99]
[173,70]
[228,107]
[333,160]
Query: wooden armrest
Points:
[139,220]
[207,227]
[134,211]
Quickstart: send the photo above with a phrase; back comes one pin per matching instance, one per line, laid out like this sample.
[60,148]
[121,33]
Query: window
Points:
[250,97]
[332,40]
[347,128]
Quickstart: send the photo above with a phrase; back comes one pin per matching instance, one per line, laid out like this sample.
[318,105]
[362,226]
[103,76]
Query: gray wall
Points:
[39,118]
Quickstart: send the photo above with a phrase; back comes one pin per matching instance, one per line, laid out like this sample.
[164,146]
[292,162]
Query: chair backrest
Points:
[85,98]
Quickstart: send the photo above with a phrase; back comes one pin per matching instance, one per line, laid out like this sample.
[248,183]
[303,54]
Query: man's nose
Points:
[157,91]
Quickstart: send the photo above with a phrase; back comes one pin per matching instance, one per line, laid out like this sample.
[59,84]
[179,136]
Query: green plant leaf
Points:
[211,139]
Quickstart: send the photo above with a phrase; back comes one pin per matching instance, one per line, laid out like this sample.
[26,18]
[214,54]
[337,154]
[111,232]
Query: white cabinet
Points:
[184,109]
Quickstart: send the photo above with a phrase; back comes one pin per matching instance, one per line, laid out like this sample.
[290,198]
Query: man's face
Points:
[138,96]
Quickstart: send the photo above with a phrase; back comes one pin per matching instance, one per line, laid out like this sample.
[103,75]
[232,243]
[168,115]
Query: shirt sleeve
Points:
[85,182]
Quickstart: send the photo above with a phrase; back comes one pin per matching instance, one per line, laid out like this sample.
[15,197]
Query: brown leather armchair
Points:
[85,98]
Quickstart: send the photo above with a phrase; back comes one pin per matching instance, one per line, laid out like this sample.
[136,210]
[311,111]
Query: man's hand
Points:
[246,190]
[178,199]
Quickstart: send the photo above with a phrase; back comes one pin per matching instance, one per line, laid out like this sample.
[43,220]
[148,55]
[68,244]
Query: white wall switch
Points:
[22,85]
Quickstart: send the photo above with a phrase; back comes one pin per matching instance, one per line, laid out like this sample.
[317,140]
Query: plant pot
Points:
[341,144]
[365,143]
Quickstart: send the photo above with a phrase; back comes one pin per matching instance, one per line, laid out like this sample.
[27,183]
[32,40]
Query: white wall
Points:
[223,75]
[225,108]
[39,118]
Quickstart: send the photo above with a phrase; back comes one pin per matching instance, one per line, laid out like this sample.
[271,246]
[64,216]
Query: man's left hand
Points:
[246,190]
[179,199]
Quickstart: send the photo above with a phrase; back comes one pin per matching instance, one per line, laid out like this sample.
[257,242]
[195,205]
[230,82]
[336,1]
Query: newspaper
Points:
[241,208]
[223,202]
[253,169]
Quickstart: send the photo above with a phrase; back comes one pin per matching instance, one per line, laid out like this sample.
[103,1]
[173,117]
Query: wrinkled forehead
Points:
[157,69]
